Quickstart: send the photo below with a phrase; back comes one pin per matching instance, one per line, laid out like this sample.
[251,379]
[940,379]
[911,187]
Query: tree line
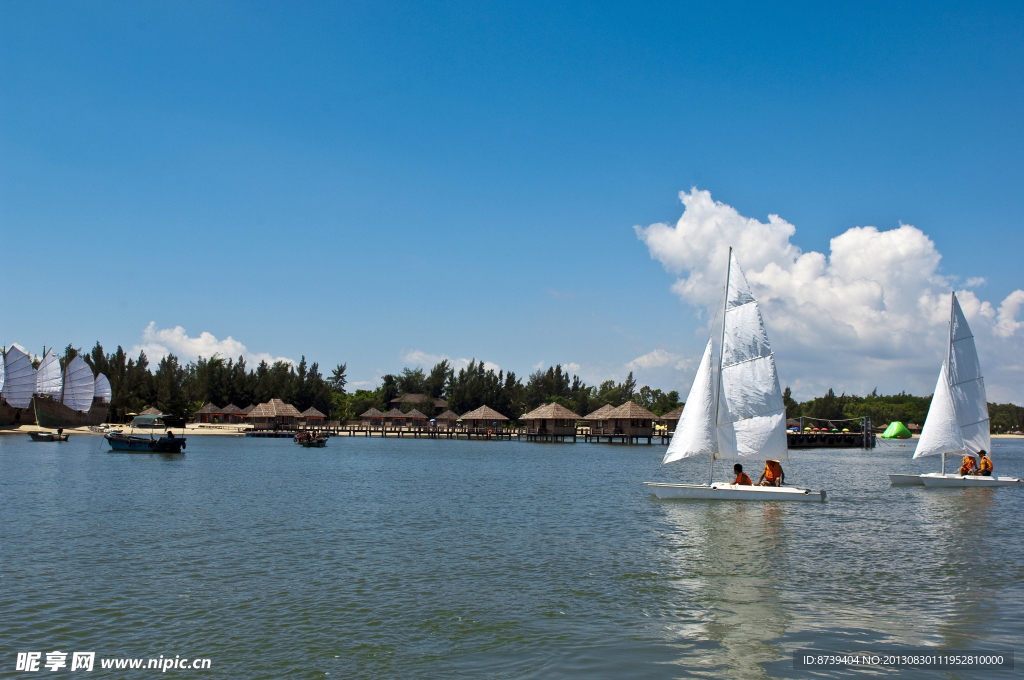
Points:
[883,409]
[180,389]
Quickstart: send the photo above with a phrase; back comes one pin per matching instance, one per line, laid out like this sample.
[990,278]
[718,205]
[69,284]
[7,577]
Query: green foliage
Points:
[903,407]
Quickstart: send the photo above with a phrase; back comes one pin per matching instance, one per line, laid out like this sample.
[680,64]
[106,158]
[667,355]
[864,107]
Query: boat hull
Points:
[932,481]
[735,492]
[48,437]
[51,413]
[909,480]
[144,445]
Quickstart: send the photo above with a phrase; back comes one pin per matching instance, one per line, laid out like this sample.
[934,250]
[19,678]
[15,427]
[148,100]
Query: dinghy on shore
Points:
[736,412]
[957,420]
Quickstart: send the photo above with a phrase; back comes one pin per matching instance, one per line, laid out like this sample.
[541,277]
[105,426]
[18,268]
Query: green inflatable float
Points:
[896,430]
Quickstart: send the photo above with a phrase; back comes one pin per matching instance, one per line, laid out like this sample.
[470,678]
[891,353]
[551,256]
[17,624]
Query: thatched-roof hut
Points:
[396,417]
[313,418]
[416,418]
[596,419]
[208,413]
[233,414]
[400,402]
[483,417]
[274,414]
[448,415]
[631,420]
[551,419]
[671,419]
[151,411]
[248,409]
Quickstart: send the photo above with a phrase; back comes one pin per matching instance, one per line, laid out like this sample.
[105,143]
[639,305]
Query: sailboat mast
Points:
[949,353]
[721,358]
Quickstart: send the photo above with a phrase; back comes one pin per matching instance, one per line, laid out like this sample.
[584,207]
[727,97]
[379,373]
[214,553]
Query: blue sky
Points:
[373,182]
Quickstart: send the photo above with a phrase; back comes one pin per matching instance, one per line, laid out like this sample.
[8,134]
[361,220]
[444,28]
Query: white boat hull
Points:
[969,480]
[906,479]
[735,492]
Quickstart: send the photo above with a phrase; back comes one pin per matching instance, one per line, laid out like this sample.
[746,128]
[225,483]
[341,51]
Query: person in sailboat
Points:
[772,475]
[967,466]
[984,464]
[742,478]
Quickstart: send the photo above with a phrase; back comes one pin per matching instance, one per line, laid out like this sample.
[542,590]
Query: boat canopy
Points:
[79,385]
[147,420]
[48,376]
[19,379]
[896,430]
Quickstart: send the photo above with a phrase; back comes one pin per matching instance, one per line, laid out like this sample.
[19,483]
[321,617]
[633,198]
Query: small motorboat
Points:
[310,440]
[57,436]
[119,441]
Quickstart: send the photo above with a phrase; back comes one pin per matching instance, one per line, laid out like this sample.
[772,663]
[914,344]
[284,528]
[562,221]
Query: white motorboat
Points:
[957,420]
[735,412]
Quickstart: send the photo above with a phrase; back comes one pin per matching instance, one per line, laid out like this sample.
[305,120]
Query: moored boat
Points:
[119,441]
[48,436]
[736,412]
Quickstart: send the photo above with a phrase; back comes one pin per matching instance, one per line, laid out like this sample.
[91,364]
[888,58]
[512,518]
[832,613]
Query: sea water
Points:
[423,559]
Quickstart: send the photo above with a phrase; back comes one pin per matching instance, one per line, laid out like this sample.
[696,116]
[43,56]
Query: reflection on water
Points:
[423,559]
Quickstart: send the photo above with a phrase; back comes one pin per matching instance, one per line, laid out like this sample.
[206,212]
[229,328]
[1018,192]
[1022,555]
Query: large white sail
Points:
[751,415]
[20,378]
[102,388]
[3,373]
[696,432]
[79,385]
[958,416]
[48,376]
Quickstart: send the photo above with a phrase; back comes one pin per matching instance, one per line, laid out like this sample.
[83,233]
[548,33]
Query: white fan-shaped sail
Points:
[20,378]
[696,432]
[966,384]
[48,376]
[102,388]
[751,414]
[79,385]
[941,433]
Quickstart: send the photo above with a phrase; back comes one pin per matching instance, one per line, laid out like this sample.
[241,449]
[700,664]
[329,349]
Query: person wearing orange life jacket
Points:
[984,464]
[772,475]
[741,477]
[967,466]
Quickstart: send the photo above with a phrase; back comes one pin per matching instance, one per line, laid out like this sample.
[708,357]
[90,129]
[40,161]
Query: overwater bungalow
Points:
[596,420]
[313,418]
[209,413]
[395,418]
[233,414]
[632,420]
[550,421]
[483,418]
[373,418]
[248,410]
[416,418]
[275,415]
[447,419]
[671,419]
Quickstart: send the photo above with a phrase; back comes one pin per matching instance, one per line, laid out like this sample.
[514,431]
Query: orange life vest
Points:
[967,467]
[985,464]
[743,480]
[772,471]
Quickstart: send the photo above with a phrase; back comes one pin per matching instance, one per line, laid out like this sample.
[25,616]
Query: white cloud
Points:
[539,365]
[570,368]
[422,359]
[658,357]
[159,342]
[871,312]
[975,282]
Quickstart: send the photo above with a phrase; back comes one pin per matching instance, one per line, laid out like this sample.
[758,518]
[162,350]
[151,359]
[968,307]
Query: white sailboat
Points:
[957,420]
[735,412]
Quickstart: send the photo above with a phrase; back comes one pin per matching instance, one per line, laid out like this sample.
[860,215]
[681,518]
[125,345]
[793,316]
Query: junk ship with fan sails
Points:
[48,396]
